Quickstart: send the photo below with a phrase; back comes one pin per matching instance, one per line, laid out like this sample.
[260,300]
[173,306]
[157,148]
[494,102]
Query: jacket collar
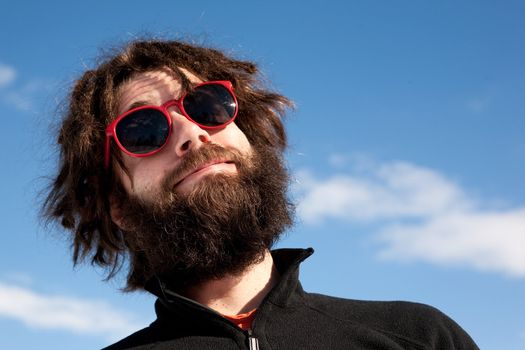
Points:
[287,262]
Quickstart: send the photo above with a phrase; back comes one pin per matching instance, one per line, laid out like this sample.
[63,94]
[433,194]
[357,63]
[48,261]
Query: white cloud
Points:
[478,105]
[389,191]
[522,334]
[7,75]
[24,94]
[338,160]
[423,215]
[64,313]
[18,100]
[18,277]
[487,241]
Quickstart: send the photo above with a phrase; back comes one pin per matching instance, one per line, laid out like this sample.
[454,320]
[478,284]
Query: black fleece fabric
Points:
[290,318]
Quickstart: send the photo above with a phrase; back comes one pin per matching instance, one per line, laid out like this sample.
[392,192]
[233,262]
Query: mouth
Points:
[201,169]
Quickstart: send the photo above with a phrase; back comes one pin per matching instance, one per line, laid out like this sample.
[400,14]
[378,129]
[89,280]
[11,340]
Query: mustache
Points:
[196,158]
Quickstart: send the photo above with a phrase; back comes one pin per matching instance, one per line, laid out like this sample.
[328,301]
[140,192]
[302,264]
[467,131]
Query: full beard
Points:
[222,226]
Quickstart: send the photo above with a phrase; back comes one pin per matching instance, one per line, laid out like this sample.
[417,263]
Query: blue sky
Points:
[406,149]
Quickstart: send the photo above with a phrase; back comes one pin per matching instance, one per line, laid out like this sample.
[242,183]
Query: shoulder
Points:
[370,310]
[413,322]
[140,340]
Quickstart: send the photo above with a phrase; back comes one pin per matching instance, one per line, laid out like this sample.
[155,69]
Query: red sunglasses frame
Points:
[179,103]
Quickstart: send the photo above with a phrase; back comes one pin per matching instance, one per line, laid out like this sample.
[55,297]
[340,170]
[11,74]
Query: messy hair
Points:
[78,198]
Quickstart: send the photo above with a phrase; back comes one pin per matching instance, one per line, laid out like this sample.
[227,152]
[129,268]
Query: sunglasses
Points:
[143,131]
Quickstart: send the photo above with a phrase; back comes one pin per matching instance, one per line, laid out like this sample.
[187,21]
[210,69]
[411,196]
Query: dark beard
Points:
[224,225]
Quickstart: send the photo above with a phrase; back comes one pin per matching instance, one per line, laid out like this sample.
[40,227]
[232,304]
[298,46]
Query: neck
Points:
[240,293]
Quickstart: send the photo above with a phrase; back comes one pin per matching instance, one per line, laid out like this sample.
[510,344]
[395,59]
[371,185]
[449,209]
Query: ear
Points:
[115,204]
[115,212]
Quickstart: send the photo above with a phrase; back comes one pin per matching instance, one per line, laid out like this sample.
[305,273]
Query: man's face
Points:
[206,205]
[146,174]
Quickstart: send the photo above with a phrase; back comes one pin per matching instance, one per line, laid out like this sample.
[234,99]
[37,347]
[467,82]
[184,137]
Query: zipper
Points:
[253,342]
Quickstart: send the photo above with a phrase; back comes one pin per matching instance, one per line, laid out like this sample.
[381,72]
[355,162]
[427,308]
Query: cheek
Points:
[235,138]
[141,179]
[145,183]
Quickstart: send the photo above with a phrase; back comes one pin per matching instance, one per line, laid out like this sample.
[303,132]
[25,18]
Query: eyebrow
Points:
[138,104]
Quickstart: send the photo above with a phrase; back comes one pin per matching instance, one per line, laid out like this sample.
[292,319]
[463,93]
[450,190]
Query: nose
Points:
[185,134]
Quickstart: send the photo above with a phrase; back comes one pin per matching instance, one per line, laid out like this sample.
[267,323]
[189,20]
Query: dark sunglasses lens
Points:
[210,105]
[143,131]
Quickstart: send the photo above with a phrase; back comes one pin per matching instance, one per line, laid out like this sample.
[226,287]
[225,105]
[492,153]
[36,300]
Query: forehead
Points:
[152,87]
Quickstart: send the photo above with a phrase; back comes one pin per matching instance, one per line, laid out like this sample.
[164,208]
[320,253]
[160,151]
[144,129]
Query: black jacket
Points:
[290,318]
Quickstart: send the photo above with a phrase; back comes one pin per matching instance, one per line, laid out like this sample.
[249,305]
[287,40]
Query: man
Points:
[171,160]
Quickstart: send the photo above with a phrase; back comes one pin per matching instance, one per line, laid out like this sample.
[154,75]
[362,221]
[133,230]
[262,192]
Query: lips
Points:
[201,168]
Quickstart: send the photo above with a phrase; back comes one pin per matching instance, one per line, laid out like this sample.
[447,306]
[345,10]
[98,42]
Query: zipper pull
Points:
[253,342]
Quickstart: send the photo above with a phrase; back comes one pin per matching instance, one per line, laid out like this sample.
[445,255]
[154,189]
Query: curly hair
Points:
[79,195]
